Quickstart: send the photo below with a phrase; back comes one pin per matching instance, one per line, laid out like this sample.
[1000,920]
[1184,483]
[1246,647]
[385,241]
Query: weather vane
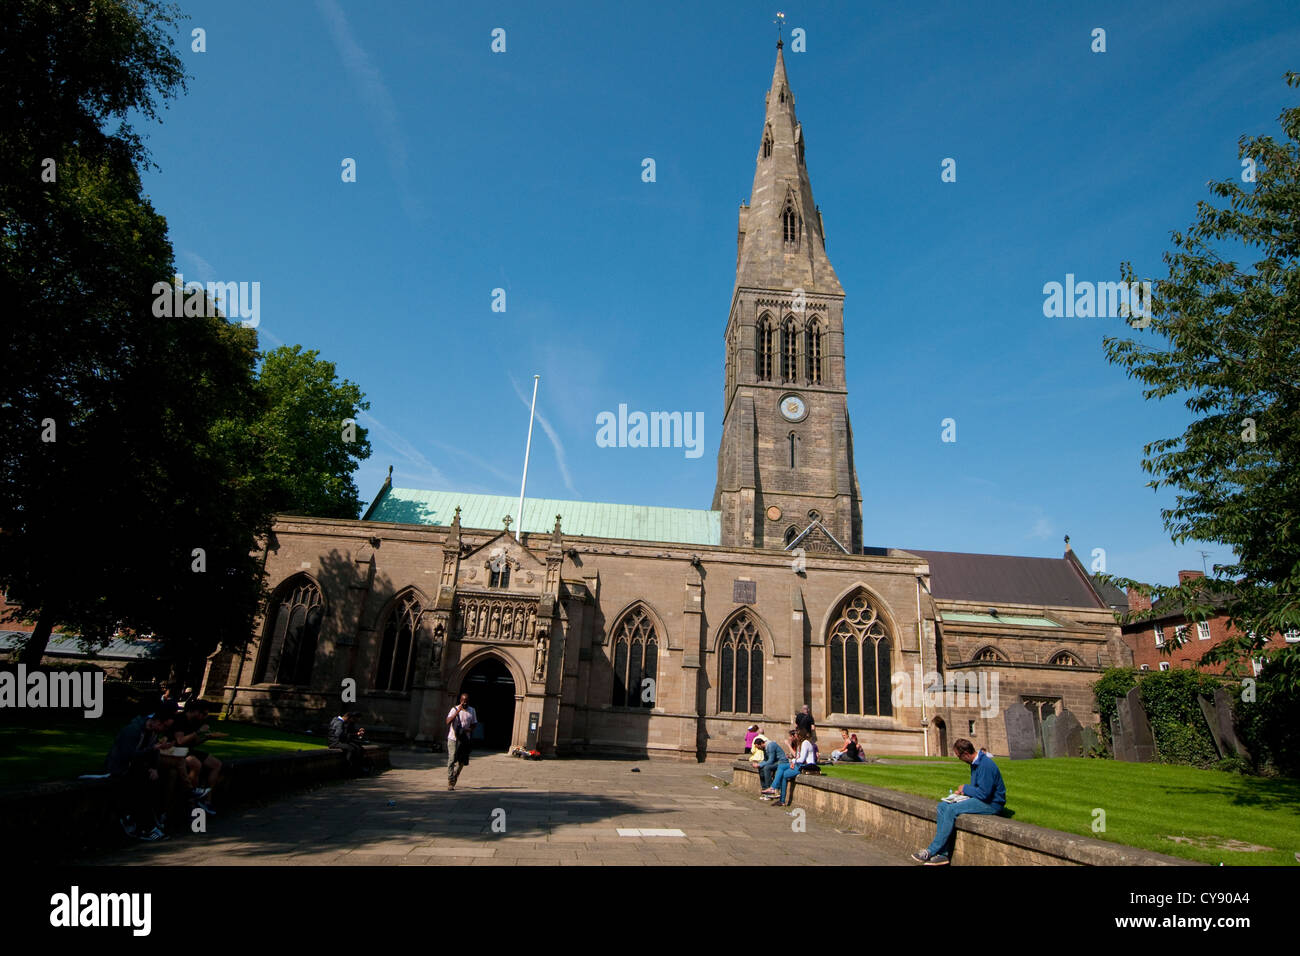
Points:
[780,22]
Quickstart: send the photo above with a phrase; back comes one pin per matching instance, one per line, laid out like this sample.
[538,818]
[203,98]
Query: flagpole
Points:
[519,528]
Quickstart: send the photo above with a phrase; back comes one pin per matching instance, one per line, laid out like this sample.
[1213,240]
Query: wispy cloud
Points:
[555,439]
[204,268]
[1042,529]
[383,109]
[407,452]
[475,460]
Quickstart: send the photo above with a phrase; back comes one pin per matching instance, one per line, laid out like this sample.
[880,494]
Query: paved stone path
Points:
[566,812]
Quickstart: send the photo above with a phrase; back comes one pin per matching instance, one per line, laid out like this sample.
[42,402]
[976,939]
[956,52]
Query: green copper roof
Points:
[964,617]
[591,518]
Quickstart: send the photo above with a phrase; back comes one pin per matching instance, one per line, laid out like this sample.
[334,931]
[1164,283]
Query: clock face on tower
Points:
[793,408]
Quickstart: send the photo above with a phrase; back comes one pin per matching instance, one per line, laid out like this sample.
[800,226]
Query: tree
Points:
[1228,339]
[109,479]
[140,457]
[309,434]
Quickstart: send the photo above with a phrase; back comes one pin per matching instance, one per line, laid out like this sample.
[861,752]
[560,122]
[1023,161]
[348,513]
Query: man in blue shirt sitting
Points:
[986,793]
[774,757]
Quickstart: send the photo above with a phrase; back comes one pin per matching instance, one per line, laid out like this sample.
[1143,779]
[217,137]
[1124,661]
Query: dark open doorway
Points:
[491,692]
[941,730]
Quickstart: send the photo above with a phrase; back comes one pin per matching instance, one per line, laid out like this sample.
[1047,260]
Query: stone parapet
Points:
[909,821]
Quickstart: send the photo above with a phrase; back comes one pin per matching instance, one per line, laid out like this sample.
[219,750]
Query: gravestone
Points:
[1020,732]
[1045,733]
[1089,740]
[1137,729]
[1121,746]
[1211,715]
[1227,731]
[1066,739]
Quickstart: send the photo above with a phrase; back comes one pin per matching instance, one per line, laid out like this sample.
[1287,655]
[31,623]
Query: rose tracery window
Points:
[859,648]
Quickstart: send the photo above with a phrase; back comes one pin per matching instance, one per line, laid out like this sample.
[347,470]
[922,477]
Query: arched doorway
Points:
[491,692]
[941,730]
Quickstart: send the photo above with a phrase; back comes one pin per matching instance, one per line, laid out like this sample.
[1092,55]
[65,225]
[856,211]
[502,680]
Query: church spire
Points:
[781,243]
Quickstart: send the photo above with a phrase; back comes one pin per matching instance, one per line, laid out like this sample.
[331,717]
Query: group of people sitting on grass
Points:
[141,792]
[777,765]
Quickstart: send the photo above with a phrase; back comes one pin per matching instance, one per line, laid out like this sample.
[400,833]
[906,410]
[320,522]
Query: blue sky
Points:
[522,171]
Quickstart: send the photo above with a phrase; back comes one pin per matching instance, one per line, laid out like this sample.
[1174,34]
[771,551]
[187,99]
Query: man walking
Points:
[461,721]
[986,793]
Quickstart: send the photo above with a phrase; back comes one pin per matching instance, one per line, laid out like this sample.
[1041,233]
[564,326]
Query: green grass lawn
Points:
[64,751]
[1145,804]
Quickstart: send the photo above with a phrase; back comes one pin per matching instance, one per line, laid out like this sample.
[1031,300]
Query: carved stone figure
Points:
[539,662]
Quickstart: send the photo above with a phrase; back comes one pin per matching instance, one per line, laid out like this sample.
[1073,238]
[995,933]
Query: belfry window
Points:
[789,350]
[740,668]
[860,661]
[765,336]
[794,450]
[767,142]
[813,352]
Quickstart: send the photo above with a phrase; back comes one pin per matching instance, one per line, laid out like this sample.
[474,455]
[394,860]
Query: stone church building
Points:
[582,627]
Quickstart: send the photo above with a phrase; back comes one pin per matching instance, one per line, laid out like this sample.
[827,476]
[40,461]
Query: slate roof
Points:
[578,518]
[66,645]
[1008,579]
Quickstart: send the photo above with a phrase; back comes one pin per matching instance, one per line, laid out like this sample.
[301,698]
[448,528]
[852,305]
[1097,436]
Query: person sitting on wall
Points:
[345,735]
[774,758]
[758,750]
[805,756]
[986,793]
[133,768]
[750,734]
[189,731]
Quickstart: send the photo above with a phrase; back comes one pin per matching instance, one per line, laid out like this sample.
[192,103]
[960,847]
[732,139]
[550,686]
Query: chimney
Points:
[1184,576]
[1138,602]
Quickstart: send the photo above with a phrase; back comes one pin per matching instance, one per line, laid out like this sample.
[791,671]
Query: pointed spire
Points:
[781,241]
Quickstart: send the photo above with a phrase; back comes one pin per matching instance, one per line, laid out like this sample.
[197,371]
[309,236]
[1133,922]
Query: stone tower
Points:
[785,465]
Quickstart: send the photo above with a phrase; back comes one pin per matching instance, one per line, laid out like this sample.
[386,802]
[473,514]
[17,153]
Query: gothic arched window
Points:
[990,653]
[1066,659]
[789,350]
[294,619]
[790,534]
[767,142]
[766,334]
[794,449]
[740,668]
[398,645]
[636,660]
[860,661]
[791,227]
[813,352]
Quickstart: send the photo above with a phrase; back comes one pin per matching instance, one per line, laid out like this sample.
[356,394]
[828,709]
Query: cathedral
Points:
[593,628]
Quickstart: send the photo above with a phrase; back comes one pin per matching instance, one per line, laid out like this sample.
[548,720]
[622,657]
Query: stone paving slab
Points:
[555,813]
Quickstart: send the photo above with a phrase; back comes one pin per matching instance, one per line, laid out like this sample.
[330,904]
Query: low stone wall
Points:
[909,821]
[48,822]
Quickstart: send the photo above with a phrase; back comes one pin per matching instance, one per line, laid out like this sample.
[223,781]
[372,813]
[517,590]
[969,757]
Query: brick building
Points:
[1154,641]
[590,627]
